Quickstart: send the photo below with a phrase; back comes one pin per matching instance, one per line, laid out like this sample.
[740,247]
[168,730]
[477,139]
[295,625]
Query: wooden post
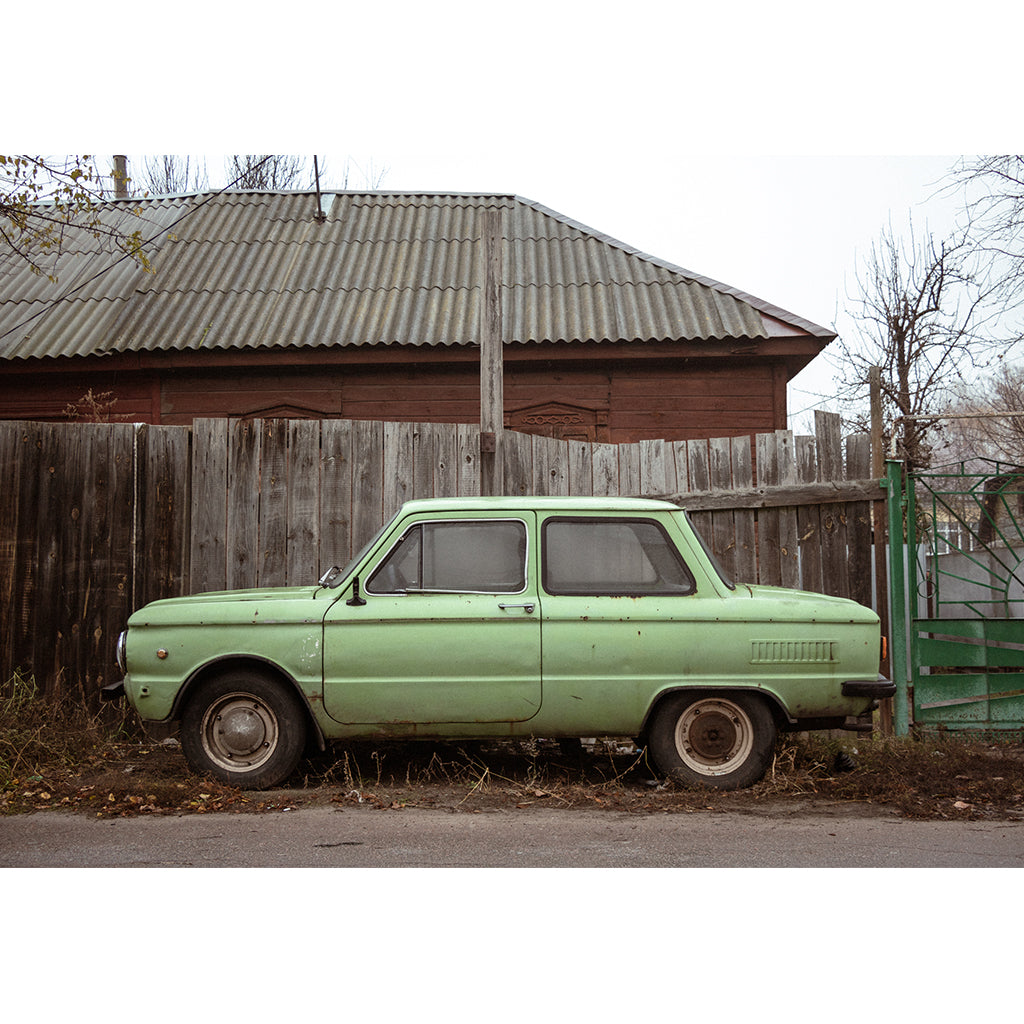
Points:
[885,720]
[492,399]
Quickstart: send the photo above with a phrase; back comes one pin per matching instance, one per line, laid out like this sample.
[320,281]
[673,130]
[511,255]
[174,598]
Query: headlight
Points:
[122,655]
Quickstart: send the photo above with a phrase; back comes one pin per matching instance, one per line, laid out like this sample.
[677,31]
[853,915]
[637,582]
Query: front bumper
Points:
[112,691]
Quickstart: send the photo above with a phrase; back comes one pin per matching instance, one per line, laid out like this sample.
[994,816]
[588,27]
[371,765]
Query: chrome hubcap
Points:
[239,732]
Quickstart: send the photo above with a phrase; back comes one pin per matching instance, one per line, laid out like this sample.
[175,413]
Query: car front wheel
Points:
[722,742]
[243,729]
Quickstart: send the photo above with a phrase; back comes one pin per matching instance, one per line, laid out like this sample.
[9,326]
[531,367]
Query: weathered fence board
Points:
[809,516]
[273,527]
[467,481]
[303,492]
[423,460]
[604,469]
[399,466]
[833,518]
[242,511]
[745,562]
[336,489]
[698,477]
[580,468]
[164,489]
[769,555]
[723,523]
[101,518]
[368,510]
[208,552]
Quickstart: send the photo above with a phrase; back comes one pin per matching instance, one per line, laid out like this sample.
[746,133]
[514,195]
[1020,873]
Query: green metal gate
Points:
[957,592]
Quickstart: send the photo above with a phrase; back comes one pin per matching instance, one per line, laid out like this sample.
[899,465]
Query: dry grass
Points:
[61,755]
[59,734]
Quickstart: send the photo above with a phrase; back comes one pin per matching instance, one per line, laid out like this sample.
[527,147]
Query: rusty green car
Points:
[476,618]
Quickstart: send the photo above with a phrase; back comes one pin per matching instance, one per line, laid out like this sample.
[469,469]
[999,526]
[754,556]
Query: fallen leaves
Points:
[958,781]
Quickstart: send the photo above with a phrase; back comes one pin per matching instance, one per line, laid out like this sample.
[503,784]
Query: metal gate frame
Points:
[957,592]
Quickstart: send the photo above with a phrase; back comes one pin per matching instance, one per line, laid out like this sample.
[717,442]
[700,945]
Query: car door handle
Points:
[529,606]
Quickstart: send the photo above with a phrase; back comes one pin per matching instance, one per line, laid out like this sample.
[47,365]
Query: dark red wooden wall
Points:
[593,394]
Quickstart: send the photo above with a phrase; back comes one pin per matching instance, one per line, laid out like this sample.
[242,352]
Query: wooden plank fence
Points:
[98,519]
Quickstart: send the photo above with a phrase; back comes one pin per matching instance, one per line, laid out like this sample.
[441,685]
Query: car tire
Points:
[244,729]
[716,741]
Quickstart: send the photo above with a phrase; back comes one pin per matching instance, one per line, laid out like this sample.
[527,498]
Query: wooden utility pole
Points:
[492,396]
[879,522]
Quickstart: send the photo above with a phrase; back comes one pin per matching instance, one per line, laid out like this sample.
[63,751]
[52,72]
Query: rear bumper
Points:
[871,689]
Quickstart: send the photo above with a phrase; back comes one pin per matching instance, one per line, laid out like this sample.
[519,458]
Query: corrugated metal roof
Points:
[238,270]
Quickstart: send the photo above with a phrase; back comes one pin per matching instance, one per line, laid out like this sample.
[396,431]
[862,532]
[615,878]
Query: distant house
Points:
[260,306]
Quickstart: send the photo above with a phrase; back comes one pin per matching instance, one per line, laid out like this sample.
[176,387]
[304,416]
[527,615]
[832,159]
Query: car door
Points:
[449,632]
[622,618]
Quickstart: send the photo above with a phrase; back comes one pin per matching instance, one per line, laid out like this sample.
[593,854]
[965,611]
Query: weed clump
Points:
[46,740]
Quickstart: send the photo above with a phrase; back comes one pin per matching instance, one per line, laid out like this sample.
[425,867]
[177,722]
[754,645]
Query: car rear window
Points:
[613,557]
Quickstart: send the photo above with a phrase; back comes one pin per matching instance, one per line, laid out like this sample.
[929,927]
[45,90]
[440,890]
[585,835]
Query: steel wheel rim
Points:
[714,736]
[240,732]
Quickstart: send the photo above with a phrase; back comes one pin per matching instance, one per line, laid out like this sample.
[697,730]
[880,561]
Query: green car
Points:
[469,618]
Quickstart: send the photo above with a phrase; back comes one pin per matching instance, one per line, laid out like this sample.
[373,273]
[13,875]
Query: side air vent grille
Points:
[794,652]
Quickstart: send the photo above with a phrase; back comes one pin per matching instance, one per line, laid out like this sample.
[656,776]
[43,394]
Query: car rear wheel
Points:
[720,742]
[244,729]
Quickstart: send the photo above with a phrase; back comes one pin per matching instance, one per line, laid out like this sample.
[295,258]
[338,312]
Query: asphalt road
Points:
[538,837]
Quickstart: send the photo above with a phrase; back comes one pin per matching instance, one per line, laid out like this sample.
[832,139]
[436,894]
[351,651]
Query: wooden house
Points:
[369,306]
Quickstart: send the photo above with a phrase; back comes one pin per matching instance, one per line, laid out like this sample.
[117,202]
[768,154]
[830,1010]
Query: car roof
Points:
[552,503]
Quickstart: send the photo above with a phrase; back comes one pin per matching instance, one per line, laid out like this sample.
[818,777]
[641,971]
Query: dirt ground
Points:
[934,779]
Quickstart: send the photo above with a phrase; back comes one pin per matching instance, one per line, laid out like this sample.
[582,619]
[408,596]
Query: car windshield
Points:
[360,554]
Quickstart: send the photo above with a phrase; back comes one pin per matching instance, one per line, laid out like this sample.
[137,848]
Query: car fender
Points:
[782,716]
[265,665]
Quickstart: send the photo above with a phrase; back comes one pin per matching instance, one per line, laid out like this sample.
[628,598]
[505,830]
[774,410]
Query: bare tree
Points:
[926,317]
[372,176]
[992,190]
[253,171]
[172,175]
[294,172]
[988,421]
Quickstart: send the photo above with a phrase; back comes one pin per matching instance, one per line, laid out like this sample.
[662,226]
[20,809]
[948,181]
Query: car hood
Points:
[265,604]
[815,606]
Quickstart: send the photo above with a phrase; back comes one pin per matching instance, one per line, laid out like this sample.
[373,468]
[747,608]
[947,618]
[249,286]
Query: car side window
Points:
[611,557]
[458,556]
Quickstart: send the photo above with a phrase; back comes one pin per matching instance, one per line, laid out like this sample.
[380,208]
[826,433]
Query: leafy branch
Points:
[44,202]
